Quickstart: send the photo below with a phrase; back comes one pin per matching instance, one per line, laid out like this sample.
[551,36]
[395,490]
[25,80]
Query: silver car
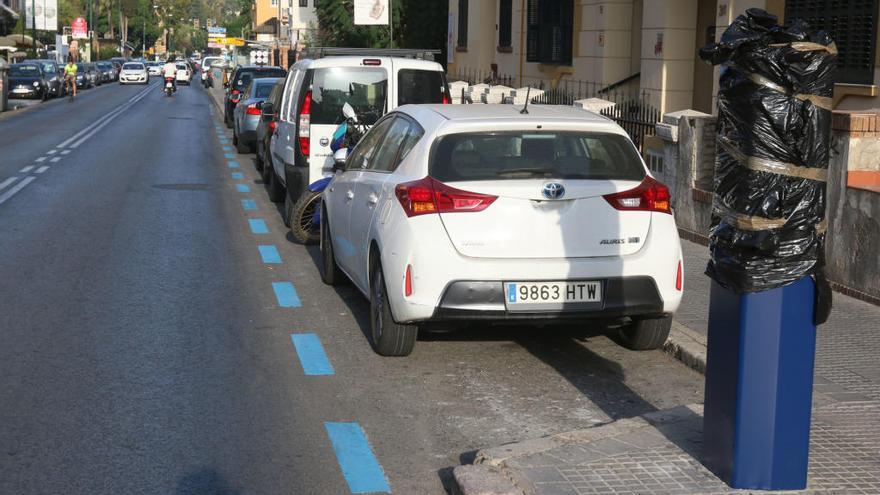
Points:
[246,115]
[134,73]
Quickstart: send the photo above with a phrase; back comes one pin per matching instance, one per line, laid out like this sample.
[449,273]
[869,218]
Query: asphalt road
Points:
[143,348]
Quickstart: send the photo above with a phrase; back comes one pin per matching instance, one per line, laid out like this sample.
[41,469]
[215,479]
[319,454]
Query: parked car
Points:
[184,74]
[134,72]
[83,77]
[53,73]
[247,113]
[239,80]
[314,94]
[27,80]
[107,71]
[455,214]
[93,73]
[266,127]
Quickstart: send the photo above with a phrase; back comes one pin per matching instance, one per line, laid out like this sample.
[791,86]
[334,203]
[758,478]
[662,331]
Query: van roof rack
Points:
[332,51]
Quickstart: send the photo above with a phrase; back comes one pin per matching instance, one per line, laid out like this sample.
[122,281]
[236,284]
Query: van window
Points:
[365,89]
[421,86]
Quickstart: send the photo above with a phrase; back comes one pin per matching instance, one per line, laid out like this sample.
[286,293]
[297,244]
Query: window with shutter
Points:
[462,23]
[550,31]
[852,25]
[505,22]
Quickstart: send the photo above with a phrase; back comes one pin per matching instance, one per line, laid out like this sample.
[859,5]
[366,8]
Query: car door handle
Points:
[372,198]
[349,195]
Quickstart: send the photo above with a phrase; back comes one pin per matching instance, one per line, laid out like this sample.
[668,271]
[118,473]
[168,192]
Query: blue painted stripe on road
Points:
[258,226]
[237,176]
[270,254]
[242,188]
[286,295]
[311,354]
[228,155]
[232,164]
[227,148]
[249,204]
[356,459]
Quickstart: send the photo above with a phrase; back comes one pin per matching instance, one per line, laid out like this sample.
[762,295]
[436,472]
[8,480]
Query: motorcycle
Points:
[305,215]
[169,86]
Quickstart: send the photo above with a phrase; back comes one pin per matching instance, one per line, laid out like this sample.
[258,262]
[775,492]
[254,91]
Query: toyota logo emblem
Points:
[553,190]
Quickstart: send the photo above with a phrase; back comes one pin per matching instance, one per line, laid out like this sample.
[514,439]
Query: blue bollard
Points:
[759,386]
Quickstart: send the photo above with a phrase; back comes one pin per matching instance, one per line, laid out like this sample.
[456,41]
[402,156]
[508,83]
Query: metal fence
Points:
[632,110]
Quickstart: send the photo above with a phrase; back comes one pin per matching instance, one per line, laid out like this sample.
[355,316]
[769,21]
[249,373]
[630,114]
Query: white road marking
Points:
[7,182]
[26,169]
[65,152]
[18,187]
[108,120]
[56,159]
[42,169]
[110,115]
[40,159]
[52,152]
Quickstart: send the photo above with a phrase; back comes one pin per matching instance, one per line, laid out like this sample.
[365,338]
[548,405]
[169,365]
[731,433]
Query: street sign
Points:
[79,29]
[371,12]
[259,57]
[231,41]
[216,32]
[214,44]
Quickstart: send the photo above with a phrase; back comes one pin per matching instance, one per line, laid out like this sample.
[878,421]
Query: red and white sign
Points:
[79,29]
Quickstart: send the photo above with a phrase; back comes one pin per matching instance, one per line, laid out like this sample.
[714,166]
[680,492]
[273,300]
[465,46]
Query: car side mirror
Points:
[348,112]
[340,156]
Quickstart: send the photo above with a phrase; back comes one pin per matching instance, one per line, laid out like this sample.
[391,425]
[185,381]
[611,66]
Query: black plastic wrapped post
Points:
[774,133]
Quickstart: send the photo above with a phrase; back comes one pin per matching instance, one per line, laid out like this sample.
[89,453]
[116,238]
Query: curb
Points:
[688,346]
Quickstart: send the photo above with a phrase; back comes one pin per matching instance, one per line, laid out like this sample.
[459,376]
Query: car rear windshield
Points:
[262,90]
[24,71]
[530,154]
[365,89]
[245,76]
[421,86]
[132,67]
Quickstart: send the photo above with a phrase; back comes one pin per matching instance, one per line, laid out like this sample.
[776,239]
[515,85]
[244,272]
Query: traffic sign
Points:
[79,29]
[231,41]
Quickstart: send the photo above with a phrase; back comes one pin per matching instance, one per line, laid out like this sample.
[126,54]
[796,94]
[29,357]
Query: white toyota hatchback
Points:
[481,213]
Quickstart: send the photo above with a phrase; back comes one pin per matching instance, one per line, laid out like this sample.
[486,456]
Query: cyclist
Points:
[70,75]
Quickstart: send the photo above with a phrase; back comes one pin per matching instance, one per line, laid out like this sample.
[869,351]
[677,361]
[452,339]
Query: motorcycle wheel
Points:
[302,218]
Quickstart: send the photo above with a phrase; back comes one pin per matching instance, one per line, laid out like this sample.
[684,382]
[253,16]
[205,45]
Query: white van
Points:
[373,82]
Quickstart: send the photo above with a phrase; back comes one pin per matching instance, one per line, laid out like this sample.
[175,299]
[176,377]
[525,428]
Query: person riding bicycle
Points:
[169,70]
[70,74]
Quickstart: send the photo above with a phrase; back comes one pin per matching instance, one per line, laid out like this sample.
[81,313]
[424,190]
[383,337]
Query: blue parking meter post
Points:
[759,386]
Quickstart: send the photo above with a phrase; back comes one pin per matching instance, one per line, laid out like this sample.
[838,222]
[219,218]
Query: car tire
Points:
[388,337]
[644,334]
[242,147]
[330,272]
[301,215]
[274,188]
[258,160]
[268,169]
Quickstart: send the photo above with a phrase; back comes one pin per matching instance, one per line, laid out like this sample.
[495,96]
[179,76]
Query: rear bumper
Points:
[247,136]
[484,300]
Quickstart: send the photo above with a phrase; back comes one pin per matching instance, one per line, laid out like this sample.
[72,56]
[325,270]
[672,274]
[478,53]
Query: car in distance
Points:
[478,213]
[83,79]
[27,80]
[239,80]
[247,113]
[134,73]
[53,73]
[154,68]
[183,74]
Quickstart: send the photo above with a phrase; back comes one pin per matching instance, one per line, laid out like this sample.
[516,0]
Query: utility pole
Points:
[89,31]
[34,26]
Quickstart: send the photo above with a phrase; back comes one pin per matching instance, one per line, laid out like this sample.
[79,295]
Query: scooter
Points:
[305,216]
[169,86]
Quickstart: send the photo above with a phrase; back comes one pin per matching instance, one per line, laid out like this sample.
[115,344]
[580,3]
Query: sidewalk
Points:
[659,453]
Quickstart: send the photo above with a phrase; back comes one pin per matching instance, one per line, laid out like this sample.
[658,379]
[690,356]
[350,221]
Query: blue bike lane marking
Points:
[258,226]
[269,254]
[359,466]
[311,354]
[285,294]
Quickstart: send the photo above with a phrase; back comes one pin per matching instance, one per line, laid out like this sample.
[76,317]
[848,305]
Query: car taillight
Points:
[650,195]
[305,119]
[235,91]
[678,277]
[445,99]
[253,110]
[272,127]
[429,195]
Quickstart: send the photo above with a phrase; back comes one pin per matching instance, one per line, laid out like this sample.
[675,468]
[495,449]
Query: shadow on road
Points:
[205,481]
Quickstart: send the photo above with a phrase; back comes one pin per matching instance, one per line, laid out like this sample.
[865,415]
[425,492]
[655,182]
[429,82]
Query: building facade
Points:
[298,20]
[647,47]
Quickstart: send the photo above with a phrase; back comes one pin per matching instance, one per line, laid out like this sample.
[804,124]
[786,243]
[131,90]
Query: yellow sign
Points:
[231,41]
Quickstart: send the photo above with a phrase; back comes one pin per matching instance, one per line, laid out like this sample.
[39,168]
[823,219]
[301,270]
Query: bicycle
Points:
[70,85]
